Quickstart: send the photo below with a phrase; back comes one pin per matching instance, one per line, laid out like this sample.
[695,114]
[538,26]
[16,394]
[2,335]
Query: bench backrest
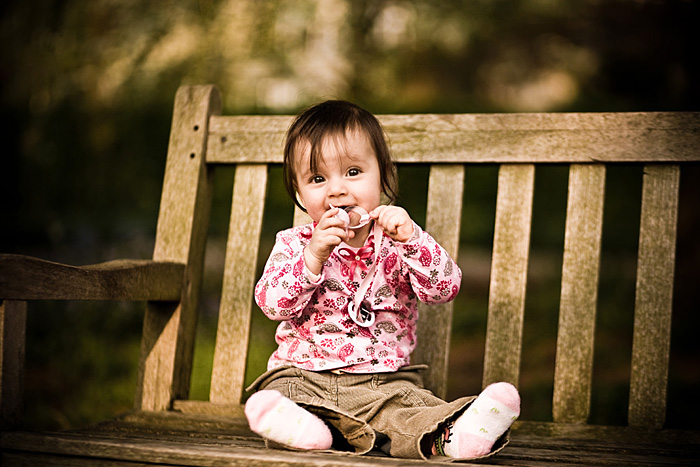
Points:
[202,139]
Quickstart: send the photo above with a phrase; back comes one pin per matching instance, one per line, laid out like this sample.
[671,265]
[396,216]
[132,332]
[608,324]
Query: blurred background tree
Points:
[87,93]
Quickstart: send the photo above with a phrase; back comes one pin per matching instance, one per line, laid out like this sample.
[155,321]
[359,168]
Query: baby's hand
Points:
[395,221]
[327,235]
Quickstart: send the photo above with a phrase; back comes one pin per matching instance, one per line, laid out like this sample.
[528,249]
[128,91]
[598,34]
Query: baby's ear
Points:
[300,201]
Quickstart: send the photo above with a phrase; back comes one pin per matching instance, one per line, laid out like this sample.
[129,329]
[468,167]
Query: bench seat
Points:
[176,438]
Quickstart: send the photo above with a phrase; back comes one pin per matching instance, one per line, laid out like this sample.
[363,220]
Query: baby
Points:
[345,289]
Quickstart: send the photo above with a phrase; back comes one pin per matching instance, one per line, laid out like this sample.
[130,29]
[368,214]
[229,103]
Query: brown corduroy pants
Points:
[389,411]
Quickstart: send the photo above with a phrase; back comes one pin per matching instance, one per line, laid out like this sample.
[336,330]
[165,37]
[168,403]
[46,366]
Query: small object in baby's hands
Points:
[354,217]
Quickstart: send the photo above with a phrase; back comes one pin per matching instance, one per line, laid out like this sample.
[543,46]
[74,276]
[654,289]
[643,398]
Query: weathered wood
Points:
[182,439]
[233,332]
[445,188]
[511,247]
[579,293]
[186,452]
[300,217]
[654,296]
[167,344]
[13,324]
[489,138]
[209,408]
[27,278]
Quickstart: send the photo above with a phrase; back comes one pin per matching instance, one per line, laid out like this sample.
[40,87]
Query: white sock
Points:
[277,418]
[474,433]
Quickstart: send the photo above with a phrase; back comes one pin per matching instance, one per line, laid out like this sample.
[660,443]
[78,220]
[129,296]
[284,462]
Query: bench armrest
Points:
[28,278]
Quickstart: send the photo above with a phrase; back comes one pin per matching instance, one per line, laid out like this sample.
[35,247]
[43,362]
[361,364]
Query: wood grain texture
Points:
[209,408]
[579,293]
[233,331]
[511,248]
[489,138]
[209,440]
[27,278]
[167,344]
[444,211]
[654,296]
[13,325]
[300,217]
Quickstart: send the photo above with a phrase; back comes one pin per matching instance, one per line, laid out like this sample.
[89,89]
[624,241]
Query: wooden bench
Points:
[167,428]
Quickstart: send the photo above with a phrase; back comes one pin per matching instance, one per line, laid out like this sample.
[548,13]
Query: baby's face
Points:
[347,175]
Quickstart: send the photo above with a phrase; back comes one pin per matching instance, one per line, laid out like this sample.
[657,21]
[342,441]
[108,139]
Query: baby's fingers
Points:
[395,221]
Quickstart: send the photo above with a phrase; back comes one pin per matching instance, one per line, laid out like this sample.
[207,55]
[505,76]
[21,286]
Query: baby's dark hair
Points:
[334,118]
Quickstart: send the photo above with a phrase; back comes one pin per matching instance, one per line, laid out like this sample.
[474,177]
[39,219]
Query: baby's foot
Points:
[273,416]
[485,420]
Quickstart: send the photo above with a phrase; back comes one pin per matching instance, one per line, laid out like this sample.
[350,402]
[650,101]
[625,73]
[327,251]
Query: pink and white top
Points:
[316,333]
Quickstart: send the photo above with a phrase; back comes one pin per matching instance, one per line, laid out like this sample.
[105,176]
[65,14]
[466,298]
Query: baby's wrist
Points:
[312,278]
[413,236]
[312,264]
[404,235]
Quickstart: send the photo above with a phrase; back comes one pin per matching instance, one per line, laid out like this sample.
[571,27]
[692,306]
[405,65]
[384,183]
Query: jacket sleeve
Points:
[284,290]
[434,275]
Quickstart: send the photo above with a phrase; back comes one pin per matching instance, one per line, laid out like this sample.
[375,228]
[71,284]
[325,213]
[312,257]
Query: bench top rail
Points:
[488,138]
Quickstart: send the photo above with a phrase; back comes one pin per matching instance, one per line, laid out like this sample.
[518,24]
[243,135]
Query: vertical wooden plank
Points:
[579,293]
[654,296]
[444,213]
[167,344]
[13,325]
[511,248]
[300,217]
[233,331]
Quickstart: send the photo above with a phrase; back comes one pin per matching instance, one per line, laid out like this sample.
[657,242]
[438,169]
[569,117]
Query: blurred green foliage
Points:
[87,91]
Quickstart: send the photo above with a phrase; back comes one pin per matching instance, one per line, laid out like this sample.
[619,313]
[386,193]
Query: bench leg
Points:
[13,323]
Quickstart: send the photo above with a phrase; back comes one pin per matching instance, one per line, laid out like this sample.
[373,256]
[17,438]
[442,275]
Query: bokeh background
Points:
[86,104]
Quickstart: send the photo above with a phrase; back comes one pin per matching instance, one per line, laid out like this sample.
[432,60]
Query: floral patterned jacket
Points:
[316,333]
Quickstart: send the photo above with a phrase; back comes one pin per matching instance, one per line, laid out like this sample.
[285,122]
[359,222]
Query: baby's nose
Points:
[337,186]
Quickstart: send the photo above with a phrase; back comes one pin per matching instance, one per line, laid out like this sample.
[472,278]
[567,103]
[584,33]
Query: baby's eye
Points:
[317,179]
[353,172]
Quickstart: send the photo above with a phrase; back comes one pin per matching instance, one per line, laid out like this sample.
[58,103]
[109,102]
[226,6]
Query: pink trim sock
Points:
[474,433]
[273,416]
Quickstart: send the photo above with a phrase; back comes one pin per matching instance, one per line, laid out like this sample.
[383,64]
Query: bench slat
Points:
[489,138]
[300,217]
[654,295]
[579,292]
[233,331]
[445,188]
[509,273]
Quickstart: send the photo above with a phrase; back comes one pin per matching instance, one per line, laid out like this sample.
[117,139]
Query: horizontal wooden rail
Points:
[488,138]
[27,278]
[208,408]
